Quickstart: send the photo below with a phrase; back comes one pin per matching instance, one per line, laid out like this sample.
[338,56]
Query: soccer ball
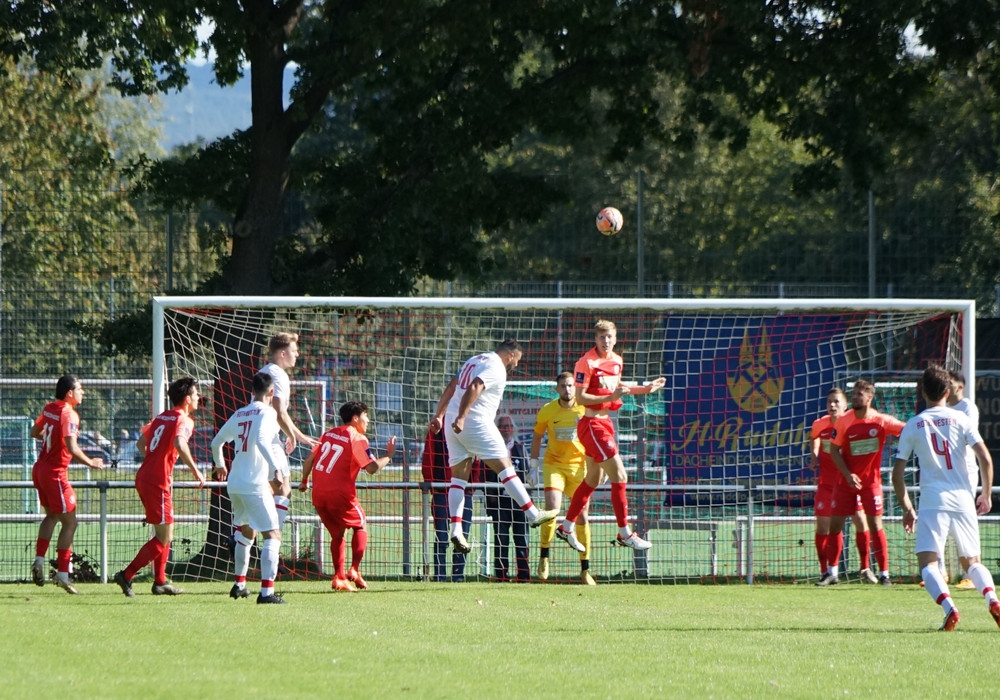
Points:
[609,221]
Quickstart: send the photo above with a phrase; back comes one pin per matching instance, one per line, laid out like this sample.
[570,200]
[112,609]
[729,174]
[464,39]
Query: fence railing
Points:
[733,533]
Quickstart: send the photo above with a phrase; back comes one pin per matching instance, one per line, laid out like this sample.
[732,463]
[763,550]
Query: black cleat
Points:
[124,584]
[166,589]
[270,599]
[236,592]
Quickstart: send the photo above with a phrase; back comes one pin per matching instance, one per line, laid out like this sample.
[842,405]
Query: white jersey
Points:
[939,437]
[252,429]
[489,368]
[969,409]
[282,384]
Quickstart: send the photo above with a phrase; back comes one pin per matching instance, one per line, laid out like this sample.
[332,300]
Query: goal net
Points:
[718,462]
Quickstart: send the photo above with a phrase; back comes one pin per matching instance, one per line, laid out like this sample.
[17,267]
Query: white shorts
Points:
[256,510]
[478,439]
[934,526]
[282,459]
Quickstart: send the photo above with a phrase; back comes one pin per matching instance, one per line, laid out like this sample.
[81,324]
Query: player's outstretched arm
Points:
[74,449]
[307,467]
[375,465]
[437,421]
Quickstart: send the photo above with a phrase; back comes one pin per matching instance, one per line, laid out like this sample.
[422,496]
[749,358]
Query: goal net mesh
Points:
[718,462]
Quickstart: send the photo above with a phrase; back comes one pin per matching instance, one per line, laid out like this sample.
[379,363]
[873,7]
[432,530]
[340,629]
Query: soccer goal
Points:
[718,461]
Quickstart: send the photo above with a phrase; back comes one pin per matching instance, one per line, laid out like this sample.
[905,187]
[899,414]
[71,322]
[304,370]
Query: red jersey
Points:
[57,421]
[161,453]
[822,429]
[861,441]
[339,456]
[599,376]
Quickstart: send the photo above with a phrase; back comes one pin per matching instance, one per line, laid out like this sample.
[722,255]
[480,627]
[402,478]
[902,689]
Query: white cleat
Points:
[570,539]
[65,585]
[633,541]
[460,544]
[545,516]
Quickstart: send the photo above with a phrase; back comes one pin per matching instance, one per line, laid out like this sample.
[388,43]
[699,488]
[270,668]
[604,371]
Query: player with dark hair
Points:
[856,449]
[57,427]
[468,408]
[599,388]
[163,440]
[335,463]
[939,438]
[830,543]
[253,430]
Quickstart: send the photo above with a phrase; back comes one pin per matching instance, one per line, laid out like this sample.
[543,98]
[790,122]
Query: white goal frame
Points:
[966,307]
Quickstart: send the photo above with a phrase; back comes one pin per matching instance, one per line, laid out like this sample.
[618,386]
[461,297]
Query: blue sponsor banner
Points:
[743,394]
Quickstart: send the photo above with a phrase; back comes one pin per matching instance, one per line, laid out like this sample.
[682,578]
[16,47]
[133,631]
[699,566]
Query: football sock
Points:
[546,532]
[983,580]
[269,565]
[160,564]
[881,547]
[337,548]
[281,504]
[515,489]
[936,588]
[358,544]
[456,503]
[863,541]
[145,555]
[580,499]
[583,537]
[835,546]
[41,548]
[242,555]
[63,559]
[821,546]
[620,505]
[543,552]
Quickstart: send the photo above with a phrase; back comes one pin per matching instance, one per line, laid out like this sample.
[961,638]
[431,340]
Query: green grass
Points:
[494,640]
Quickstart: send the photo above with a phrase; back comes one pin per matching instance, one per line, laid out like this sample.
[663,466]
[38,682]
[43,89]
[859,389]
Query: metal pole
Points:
[871,244]
[640,280]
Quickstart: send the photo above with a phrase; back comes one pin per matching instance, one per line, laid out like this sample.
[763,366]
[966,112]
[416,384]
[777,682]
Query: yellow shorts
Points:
[562,478]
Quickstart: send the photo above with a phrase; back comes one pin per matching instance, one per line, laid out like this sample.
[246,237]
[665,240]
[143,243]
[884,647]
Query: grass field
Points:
[495,640]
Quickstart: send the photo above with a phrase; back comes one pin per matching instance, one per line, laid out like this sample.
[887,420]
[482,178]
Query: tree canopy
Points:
[419,100]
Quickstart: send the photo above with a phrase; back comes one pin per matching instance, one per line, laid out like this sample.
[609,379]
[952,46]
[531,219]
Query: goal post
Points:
[718,460]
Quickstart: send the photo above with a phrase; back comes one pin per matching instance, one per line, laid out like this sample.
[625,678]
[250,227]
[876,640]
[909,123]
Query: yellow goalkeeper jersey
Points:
[564,446]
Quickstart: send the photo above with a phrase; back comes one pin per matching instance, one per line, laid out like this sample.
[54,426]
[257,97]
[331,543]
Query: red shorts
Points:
[823,503]
[846,498]
[54,491]
[157,501]
[340,514]
[598,438]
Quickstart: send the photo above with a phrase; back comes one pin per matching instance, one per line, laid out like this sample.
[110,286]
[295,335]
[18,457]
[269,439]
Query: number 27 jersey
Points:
[339,456]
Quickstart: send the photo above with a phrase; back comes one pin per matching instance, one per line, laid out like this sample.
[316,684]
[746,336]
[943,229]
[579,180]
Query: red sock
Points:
[580,499]
[619,503]
[160,564]
[41,547]
[358,544]
[821,546]
[881,547]
[337,551]
[834,546]
[63,557]
[863,540]
[146,554]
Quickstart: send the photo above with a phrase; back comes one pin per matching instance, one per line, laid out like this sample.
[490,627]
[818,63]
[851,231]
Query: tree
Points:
[436,86]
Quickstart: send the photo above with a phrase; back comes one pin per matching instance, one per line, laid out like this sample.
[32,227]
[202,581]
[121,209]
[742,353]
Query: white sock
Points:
[568,525]
[833,570]
[268,566]
[456,504]
[936,588]
[242,554]
[983,580]
[624,532]
[281,505]
[515,489]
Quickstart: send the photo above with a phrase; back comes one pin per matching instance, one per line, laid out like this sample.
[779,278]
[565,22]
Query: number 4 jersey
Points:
[938,437]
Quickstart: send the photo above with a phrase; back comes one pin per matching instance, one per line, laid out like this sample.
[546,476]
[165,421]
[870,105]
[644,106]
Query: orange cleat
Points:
[354,577]
[342,584]
[950,620]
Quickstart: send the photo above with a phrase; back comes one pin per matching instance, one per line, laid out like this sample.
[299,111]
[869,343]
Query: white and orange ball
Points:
[609,221]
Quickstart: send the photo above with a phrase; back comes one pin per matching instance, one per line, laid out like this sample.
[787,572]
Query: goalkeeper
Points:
[563,468]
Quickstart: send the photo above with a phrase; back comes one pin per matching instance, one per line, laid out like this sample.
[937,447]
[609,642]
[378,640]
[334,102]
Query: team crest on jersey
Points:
[756,387]
[873,432]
